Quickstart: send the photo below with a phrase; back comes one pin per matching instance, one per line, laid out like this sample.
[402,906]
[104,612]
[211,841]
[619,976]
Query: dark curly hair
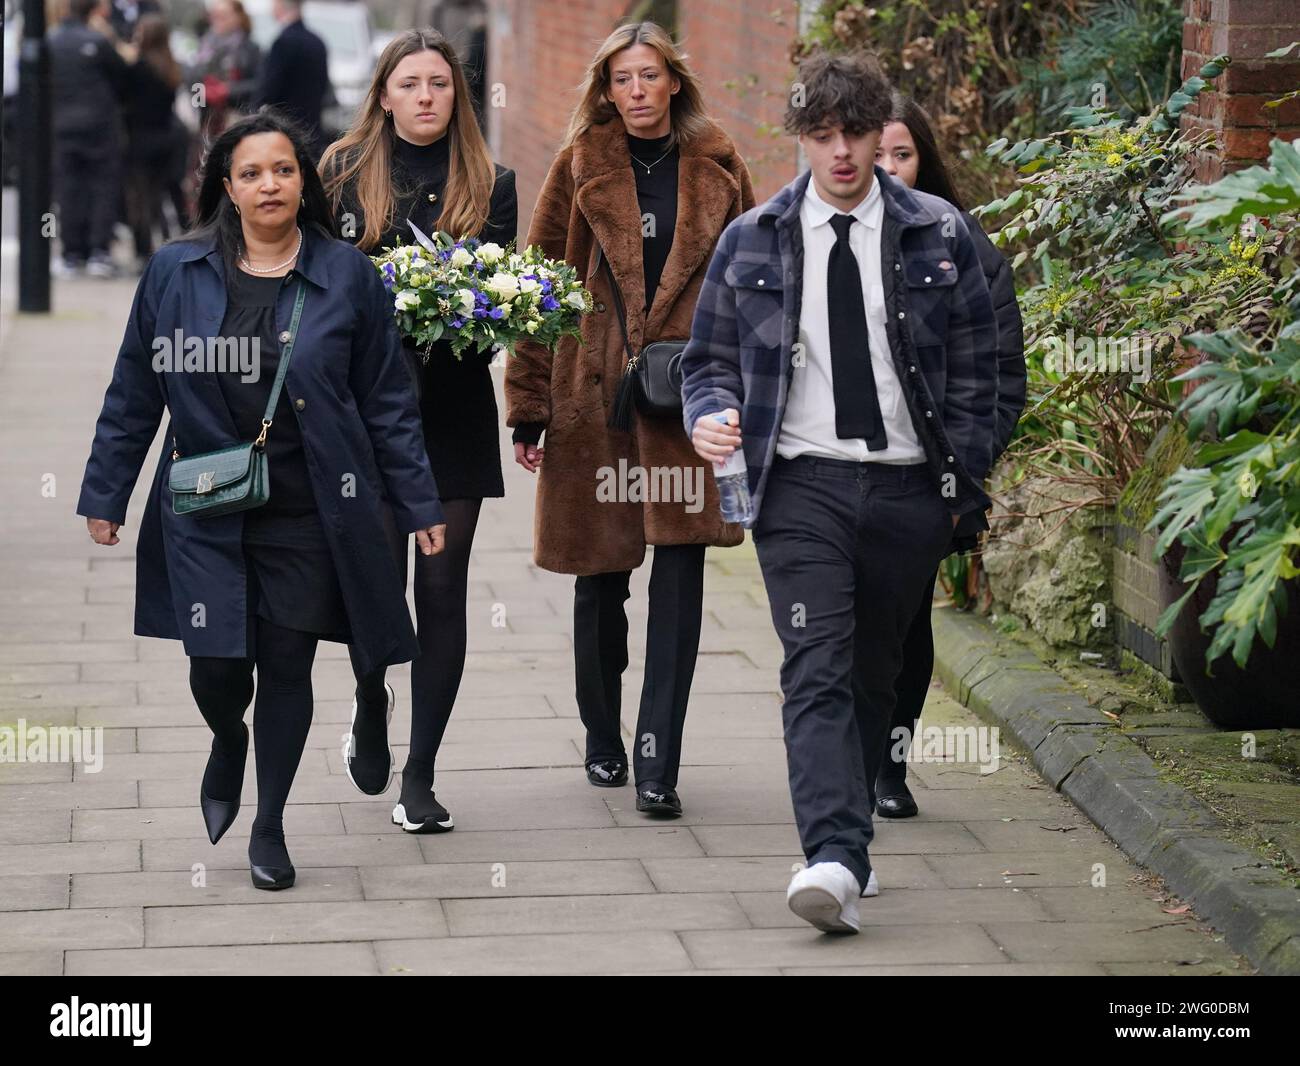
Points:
[847,89]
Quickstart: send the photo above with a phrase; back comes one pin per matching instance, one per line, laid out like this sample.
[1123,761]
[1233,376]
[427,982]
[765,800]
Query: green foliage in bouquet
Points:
[480,296]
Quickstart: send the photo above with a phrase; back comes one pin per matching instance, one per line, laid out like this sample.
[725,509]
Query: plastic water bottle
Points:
[733,485]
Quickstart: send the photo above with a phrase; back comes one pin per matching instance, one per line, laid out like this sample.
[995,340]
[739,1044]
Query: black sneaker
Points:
[423,814]
[369,763]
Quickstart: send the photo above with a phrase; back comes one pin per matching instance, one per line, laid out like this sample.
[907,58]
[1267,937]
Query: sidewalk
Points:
[110,872]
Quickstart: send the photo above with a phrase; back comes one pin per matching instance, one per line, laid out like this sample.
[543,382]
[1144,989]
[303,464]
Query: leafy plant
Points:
[1117,270]
[1237,512]
[1127,49]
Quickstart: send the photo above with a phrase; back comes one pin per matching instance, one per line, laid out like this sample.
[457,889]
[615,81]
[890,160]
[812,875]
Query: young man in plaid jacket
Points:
[846,332]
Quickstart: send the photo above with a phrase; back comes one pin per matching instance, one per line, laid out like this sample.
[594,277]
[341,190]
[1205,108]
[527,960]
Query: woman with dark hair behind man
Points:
[255,590]
[909,152]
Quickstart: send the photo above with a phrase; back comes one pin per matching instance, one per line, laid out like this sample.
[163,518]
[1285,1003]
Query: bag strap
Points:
[618,306]
[285,354]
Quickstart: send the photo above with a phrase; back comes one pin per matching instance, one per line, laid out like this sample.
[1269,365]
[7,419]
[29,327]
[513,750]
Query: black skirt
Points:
[292,581]
[458,407]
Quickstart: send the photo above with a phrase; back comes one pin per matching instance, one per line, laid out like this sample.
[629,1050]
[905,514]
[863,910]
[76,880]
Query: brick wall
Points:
[538,51]
[1246,30]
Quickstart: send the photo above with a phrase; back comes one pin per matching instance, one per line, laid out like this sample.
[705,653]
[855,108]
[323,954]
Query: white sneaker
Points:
[825,894]
[873,886]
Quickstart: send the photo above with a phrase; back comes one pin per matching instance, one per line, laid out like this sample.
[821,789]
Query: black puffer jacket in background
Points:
[1011,360]
[88,80]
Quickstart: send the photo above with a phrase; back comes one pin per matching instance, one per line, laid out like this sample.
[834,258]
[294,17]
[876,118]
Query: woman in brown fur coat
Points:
[648,181]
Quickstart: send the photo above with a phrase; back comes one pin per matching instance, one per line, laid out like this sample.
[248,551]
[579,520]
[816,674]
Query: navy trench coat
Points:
[353,398]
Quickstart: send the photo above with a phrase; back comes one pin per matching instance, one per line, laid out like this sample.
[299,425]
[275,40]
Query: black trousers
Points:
[87,180]
[672,643]
[909,690]
[845,550]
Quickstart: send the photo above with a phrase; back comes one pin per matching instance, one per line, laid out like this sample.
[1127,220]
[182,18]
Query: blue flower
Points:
[546,287]
[497,312]
[480,312]
[456,323]
[550,303]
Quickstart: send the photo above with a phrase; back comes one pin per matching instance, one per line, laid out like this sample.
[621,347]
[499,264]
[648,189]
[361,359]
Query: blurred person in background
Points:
[464,24]
[227,63]
[125,15]
[88,82]
[153,131]
[295,77]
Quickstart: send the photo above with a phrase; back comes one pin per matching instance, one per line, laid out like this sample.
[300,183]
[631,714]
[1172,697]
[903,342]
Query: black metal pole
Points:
[34,151]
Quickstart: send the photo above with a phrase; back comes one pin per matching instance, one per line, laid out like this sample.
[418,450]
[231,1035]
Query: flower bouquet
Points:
[478,295]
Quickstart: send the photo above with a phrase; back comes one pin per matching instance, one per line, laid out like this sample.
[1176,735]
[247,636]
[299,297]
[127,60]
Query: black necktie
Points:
[857,409]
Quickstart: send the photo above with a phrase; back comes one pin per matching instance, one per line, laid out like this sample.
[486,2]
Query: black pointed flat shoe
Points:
[607,773]
[654,799]
[272,878]
[219,815]
[896,805]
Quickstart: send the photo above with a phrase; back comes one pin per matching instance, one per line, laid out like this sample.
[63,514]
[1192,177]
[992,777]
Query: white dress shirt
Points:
[808,427]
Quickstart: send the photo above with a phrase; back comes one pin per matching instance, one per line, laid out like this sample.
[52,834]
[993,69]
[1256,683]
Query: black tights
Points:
[281,718]
[441,590]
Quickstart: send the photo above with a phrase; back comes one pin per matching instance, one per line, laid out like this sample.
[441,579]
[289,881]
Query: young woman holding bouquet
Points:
[645,182]
[319,392]
[416,152]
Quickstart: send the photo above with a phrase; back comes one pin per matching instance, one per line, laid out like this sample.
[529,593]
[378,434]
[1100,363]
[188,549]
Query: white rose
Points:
[505,286]
[466,298]
[461,257]
[531,327]
[575,300]
[527,285]
[490,253]
[406,300]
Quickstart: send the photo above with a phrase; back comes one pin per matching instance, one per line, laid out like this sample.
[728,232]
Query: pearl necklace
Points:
[278,266]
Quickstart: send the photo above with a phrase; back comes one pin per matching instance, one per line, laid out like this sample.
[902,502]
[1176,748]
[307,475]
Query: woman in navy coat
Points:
[256,589]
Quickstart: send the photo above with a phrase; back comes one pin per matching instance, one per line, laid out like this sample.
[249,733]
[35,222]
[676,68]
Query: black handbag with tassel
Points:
[652,379]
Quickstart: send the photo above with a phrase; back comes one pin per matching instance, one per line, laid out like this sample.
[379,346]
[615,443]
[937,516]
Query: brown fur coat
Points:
[589,203]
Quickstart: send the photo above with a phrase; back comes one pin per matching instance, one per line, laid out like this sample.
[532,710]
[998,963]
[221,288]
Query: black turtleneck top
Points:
[654,165]
[457,401]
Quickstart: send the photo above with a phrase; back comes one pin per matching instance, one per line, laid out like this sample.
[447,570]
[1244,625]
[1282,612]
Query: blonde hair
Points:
[365,152]
[686,109]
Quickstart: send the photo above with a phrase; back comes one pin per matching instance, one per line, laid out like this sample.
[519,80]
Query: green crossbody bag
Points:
[235,478]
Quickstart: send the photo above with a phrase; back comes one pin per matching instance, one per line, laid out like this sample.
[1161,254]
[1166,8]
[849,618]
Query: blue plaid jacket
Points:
[942,334]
